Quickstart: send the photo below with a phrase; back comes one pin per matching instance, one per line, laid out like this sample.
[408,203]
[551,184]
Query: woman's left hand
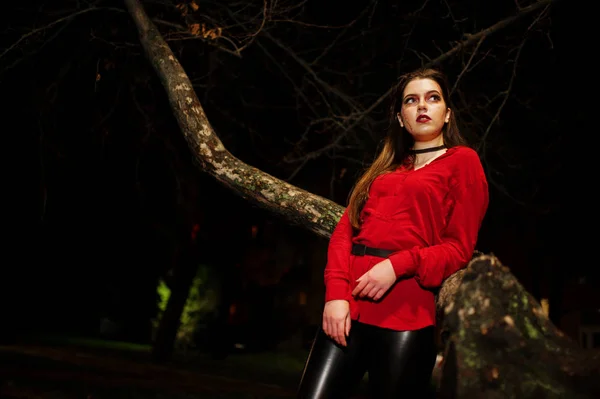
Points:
[376,282]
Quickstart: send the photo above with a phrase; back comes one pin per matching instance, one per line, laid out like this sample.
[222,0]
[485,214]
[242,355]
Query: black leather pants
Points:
[399,364]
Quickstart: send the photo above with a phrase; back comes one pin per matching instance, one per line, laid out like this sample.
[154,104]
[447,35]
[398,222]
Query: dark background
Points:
[103,191]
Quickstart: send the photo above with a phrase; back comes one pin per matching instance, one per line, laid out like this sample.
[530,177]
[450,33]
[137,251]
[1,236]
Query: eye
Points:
[435,97]
[409,100]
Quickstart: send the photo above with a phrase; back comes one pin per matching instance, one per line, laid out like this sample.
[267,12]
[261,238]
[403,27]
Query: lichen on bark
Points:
[311,211]
[505,346]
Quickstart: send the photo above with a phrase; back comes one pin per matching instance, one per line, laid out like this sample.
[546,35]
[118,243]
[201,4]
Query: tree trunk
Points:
[185,270]
[500,343]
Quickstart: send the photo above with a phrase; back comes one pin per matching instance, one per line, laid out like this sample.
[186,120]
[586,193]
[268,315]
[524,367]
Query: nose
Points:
[422,104]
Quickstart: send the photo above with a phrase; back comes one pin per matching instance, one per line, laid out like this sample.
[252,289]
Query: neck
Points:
[428,146]
[426,152]
[428,149]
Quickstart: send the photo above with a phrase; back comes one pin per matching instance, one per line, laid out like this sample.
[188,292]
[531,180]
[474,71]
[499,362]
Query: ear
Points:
[399,119]
[447,119]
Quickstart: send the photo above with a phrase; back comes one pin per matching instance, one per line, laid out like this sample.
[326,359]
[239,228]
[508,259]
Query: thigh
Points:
[332,371]
[401,363]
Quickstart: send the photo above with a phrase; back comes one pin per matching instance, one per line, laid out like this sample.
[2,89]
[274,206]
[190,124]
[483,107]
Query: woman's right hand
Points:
[336,320]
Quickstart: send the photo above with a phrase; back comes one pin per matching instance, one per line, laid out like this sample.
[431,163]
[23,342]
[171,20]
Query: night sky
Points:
[103,189]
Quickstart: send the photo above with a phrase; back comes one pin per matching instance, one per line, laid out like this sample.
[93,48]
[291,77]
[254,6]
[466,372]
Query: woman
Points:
[412,220]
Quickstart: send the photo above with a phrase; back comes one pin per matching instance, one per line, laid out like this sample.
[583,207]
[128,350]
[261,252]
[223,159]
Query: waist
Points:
[362,250]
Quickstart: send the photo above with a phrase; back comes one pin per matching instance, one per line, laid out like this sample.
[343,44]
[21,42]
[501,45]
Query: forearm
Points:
[337,274]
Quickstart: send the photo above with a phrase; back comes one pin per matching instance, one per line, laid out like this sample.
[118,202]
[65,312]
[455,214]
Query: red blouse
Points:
[431,218]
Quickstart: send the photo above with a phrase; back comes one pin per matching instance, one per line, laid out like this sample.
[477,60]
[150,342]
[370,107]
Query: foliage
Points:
[200,305]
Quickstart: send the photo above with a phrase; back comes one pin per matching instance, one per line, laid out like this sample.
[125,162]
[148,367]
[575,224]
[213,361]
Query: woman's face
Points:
[424,111]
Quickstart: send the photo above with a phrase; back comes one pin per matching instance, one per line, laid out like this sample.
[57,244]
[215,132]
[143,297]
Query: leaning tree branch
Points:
[298,206]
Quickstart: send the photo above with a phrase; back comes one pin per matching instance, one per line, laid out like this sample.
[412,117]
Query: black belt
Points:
[362,250]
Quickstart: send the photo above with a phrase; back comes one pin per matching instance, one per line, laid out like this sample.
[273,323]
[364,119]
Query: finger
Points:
[361,278]
[378,295]
[334,332]
[365,291]
[348,324]
[361,285]
[372,292]
[341,333]
[326,327]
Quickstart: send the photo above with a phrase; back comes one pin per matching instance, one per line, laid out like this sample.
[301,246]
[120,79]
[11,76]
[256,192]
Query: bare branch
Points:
[44,28]
[470,40]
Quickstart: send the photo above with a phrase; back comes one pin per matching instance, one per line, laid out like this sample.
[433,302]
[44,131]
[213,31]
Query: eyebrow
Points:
[428,92]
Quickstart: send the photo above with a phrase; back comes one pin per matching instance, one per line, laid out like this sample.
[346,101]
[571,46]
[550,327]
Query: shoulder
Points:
[461,153]
[467,167]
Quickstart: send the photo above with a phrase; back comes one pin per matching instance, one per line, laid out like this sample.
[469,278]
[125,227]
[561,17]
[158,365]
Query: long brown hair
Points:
[398,141]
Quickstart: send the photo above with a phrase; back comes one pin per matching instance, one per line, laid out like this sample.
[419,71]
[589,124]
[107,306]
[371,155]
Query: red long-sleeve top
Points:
[431,218]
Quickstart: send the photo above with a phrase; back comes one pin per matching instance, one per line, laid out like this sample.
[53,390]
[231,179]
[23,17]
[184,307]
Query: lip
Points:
[423,118]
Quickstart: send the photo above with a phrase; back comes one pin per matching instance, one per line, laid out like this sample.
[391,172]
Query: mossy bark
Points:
[298,206]
[502,345]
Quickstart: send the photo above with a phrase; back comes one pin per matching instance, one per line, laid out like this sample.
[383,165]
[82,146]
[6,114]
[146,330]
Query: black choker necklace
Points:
[431,149]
